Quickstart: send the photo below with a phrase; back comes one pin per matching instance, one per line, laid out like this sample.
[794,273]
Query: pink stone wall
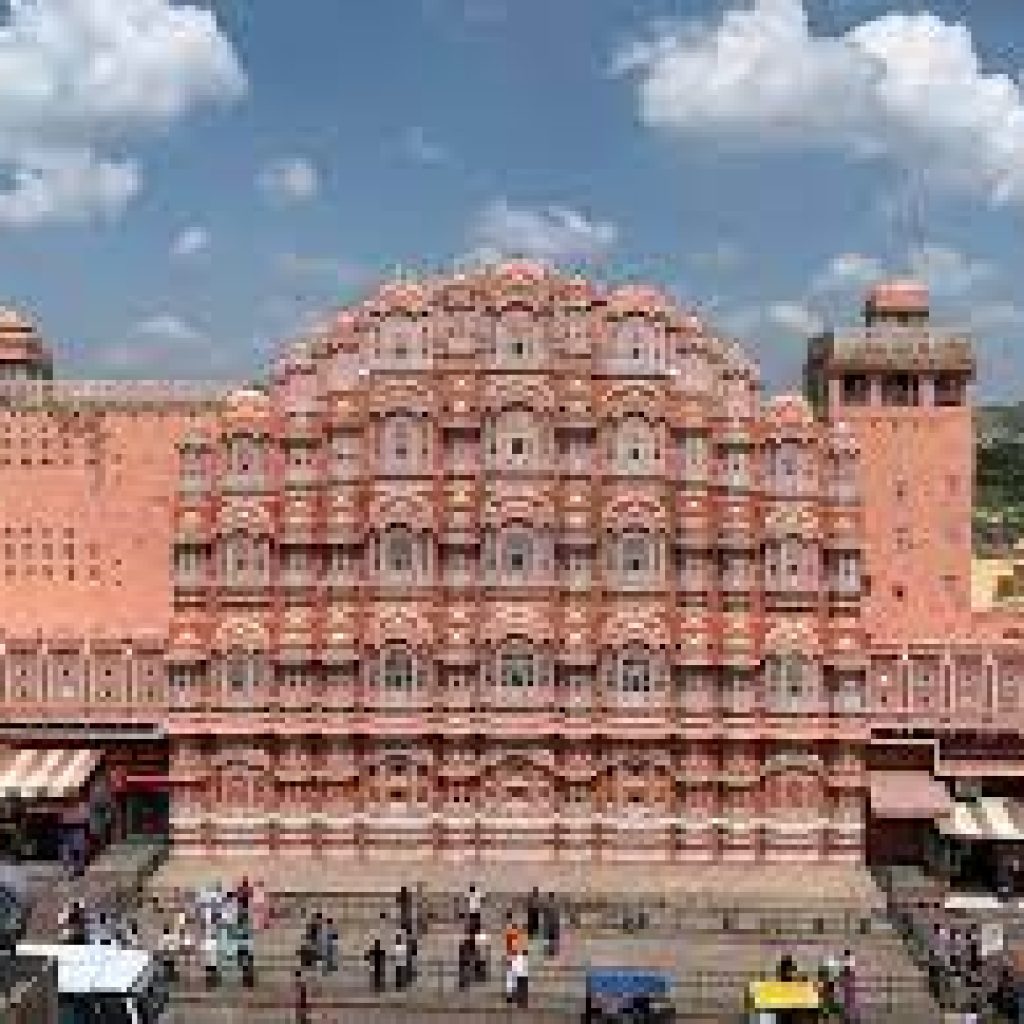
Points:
[85,518]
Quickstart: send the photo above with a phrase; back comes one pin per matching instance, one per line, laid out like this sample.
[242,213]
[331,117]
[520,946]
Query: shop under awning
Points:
[28,773]
[908,794]
[991,817]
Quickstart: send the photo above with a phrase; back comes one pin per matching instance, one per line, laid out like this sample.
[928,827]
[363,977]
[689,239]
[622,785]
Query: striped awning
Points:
[991,817]
[31,773]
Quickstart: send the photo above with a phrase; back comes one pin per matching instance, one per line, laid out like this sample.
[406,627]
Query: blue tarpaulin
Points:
[626,983]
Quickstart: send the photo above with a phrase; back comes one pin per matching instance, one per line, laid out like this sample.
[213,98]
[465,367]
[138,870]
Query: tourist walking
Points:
[521,979]
[401,961]
[167,953]
[260,906]
[474,905]
[533,909]
[211,963]
[466,955]
[481,956]
[301,1000]
[552,926]
[376,959]
[405,921]
[848,994]
[329,956]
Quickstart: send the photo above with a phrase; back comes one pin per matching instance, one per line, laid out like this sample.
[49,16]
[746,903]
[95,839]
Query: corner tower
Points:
[23,354]
[903,387]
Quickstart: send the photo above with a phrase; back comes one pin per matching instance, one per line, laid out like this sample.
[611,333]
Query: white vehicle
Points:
[104,984]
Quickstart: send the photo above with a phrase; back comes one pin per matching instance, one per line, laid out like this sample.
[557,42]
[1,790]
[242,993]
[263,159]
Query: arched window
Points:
[634,672]
[515,338]
[634,344]
[403,442]
[515,441]
[402,339]
[635,447]
[636,560]
[399,552]
[517,668]
[398,669]
[517,556]
[790,681]
[238,675]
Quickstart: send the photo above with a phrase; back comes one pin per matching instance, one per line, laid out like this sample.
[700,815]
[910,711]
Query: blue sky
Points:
[181,185]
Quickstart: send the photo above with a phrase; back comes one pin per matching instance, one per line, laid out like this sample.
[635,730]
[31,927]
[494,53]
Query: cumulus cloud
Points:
[169,327]
[722,256]
[190,242]
[947,271]
[422,149]
[290,179]
[80,80]
[552,233]
[332,269]
[795,317]
[907,88]
[848,271]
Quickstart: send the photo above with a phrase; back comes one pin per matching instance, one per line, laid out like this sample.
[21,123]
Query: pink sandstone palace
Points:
[509,565]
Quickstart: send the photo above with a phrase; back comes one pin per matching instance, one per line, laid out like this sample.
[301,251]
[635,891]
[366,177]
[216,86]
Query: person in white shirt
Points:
[521,977]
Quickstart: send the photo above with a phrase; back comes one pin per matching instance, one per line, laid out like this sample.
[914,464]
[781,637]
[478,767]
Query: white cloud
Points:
[848,271]
[290,179]
[947,271]
[997,314]
[421,149]
[554,233]
[168,327]
[190,242]
[722,256]
[795,317]
[908,88]
[335,270]
[81,79]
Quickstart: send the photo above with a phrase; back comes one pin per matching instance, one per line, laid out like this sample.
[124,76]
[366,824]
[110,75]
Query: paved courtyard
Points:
[287,873]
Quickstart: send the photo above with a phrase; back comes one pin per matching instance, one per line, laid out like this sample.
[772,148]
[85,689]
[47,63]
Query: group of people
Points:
[218,925]
[956,961]
[79,926]
[399,948]
[836,981]
[542,937]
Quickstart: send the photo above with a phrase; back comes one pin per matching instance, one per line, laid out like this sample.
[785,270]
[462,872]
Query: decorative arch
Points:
[249,518]
[633,443]
[509,393]
[399,624]
[406,508]
[241,633]
[634,625]
[621,400]
[521,620]
[633,510]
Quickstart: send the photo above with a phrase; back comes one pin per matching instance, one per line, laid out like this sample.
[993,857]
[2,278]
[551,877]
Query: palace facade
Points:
[512,565]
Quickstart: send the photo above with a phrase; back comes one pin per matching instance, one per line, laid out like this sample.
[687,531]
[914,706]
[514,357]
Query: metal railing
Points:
[683,914]
[553,988]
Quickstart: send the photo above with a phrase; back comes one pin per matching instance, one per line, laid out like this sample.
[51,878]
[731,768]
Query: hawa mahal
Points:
[508,564]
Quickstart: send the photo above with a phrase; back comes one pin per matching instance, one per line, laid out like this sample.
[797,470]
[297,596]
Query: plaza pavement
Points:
[302,873]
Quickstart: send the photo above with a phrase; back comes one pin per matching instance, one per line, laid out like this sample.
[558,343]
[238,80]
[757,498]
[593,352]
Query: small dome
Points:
[520,271]
[12,320]
[638,298]
[900,295]
[789,410]
[400,295]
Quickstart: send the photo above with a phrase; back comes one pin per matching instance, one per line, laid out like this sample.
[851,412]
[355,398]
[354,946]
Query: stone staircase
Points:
[114,882]
[711,967]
